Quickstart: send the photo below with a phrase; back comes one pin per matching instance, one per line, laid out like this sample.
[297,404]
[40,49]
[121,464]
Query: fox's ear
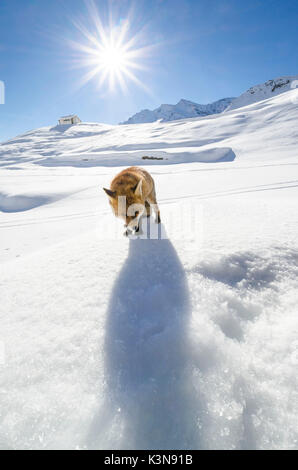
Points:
[110,193]
[138,190]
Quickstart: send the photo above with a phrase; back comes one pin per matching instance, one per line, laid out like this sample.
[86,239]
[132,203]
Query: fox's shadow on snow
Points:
[150,401]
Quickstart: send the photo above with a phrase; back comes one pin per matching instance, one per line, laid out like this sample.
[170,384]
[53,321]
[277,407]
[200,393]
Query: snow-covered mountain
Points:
[264,91]
[182,110]
[187,109]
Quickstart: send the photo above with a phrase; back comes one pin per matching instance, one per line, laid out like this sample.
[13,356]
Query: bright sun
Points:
[112,55]
[112,58]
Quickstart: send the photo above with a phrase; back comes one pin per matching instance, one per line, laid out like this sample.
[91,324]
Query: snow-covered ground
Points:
[189,341]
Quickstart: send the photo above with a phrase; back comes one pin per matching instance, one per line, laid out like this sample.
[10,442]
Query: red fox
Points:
[131,194]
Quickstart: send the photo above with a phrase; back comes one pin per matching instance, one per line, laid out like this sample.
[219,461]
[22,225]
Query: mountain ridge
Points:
[182,110]
[264,91]
[186,109]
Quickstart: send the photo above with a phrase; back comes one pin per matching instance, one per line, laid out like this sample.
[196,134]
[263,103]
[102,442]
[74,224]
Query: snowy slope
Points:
[182,110]
[187,109]
[243,134]
[189,341]
[264,91]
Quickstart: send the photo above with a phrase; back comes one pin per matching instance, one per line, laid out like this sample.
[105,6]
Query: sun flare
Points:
[112,58]
[112,54]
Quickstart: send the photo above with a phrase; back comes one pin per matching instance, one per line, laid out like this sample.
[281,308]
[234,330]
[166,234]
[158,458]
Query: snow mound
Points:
[23,202]
[142,158]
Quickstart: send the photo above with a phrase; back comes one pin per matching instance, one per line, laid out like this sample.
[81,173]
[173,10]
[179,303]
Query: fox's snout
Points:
[132,222]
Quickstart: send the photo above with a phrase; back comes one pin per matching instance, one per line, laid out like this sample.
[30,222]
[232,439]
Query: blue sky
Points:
[201,50]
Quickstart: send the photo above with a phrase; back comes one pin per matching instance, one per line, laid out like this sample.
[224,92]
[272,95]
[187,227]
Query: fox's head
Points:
[129,205]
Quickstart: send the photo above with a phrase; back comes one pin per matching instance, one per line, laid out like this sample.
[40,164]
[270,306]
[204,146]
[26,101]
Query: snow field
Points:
[185,342]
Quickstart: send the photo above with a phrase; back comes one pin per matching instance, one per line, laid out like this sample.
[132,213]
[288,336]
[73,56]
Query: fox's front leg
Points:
[147,211]
[157,214]
[152,200]
[158,219]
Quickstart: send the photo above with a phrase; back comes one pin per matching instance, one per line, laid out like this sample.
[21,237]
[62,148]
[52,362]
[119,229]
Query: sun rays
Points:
[111,55]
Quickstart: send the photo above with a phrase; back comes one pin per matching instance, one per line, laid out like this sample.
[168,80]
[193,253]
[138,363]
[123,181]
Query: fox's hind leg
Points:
[152,200]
